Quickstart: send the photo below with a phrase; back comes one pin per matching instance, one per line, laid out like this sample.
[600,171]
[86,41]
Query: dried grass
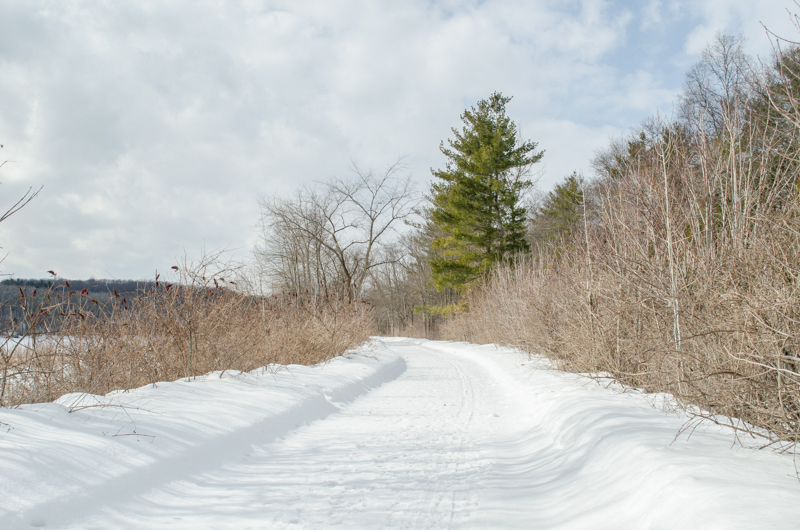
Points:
[58,343]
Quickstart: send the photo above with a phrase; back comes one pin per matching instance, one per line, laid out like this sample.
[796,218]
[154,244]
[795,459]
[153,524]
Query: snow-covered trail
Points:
[456,436]
[401,456]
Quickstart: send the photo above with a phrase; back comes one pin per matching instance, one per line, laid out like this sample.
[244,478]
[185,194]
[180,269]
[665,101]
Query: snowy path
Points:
[443,436]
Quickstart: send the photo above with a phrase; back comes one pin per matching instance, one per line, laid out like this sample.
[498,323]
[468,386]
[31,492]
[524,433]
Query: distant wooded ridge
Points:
[15,291]
[91,285]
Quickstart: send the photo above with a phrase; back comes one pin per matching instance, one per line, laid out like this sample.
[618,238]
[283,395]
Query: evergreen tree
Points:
[477,202]
[560,213]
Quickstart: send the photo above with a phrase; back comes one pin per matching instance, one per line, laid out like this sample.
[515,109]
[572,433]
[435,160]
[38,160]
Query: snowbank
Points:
[59,459]
[585,455]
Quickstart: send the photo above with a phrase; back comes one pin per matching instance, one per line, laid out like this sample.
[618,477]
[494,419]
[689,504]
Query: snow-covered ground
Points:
[406,434]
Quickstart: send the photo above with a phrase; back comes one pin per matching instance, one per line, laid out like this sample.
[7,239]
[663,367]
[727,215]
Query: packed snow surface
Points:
[405,433]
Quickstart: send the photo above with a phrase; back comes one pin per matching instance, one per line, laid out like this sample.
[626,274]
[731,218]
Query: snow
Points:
[405,433]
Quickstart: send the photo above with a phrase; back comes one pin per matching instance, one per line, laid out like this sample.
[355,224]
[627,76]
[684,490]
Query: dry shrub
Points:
[59,343]
[685,278]
[738,350]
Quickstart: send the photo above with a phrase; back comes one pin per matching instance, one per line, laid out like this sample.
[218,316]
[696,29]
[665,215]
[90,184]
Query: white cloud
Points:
[740,16]
[154,126]
[651,15]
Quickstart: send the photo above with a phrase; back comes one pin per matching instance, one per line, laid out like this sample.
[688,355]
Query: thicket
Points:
[678,268]
[58,340]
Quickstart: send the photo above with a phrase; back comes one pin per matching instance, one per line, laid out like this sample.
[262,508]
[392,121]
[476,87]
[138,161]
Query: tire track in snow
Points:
[466,408]
[394,457]
[207,455]
[444,490]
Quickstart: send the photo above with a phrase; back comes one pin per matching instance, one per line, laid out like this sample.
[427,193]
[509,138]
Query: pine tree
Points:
[477,205]
[560,213]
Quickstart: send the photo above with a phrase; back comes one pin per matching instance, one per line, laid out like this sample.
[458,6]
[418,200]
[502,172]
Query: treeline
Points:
[675,268]
[42,293]
[96,287]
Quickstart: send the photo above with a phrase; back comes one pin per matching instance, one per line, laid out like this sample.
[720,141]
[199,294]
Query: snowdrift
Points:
[59,460]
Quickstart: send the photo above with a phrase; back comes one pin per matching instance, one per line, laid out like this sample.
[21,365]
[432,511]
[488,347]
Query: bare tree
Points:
[717,88]
[26,198]
[334,232]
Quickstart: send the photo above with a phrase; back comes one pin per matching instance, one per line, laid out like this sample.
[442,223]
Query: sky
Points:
[155,127]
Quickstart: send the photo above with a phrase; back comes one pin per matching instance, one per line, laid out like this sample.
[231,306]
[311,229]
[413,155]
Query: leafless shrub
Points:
[205,321]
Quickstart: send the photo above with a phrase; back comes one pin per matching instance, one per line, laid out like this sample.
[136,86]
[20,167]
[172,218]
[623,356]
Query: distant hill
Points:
[129,287]
[100,290]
